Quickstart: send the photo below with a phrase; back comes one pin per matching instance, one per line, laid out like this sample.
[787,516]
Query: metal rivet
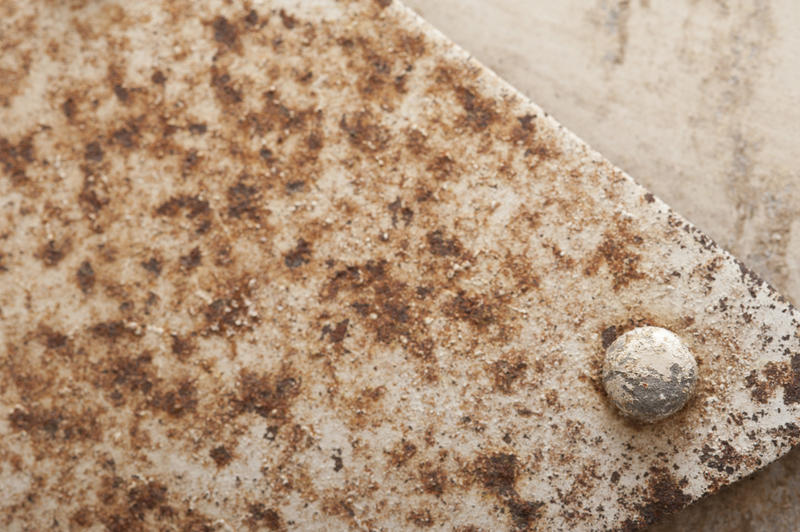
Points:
[649,373]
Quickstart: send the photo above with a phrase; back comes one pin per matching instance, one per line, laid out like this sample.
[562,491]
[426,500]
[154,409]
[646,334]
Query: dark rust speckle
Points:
[86,277]
[442,246]
[221,456]
[94,152]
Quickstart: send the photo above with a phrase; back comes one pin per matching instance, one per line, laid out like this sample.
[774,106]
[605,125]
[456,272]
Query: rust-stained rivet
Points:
[649,373]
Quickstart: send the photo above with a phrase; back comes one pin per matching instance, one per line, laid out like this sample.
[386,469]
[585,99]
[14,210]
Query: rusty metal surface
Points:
[308,266]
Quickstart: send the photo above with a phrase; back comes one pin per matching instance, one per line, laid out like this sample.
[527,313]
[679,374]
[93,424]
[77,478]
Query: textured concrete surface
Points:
[698,100]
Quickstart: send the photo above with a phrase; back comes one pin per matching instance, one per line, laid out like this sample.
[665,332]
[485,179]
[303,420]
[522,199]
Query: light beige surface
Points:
[698,100]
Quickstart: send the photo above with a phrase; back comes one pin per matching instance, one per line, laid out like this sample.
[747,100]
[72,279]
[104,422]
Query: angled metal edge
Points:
[309,266]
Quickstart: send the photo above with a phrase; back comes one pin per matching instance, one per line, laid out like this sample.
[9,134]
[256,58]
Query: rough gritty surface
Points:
[697,100]
[306,266]
[649,373]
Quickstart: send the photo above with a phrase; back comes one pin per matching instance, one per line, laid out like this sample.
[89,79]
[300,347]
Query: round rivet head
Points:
[649,373]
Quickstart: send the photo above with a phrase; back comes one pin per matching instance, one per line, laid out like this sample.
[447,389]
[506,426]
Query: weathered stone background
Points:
[698,100]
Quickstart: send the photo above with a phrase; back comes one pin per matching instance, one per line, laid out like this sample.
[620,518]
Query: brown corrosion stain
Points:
[298,256]
[505,374]
[260,517]
[616,251]
[192,259]
[53,252]
[433,479]
[479,111]
[227,92]
[244,200]
[183,347]
[400,212]
[51,426]
[128,374]
[15,158]
[139,507]
[442,245]
[225,33]
[725,459]
[220,455]
[441,167]
[664,496]
[269,396]
[401,453]
[420,518]
[177,401]
[498,474]
[474,309]
[231,309]
[608,336]
[111,331]
[85,277]
[153,265]
[366,407]
[775,375]
[365,132]
[386,306]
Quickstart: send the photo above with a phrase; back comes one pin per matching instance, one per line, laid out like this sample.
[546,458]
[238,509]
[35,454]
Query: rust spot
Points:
[400,212]
[86,277]
[158,77]
[791,390]
[68,108]
[364,132]
[776,374]
[153,265]
[225,91]
[198,128]
[401,453]
[93,152]
[53,252]
[480,111]
[615,251]
[224,32]
[420,518]
[268,396]
[182,347]
[441,246]
[441,167]
[54,340]
[191,260]
[506,372]
[252,18]
[434,480]
[338,333]
[498,473]
[242,200]
[472,309]
[176,402]
[725,460]
[664,496]
[110,330]
[193,205]
[608,335]
[16,157]
[289,22]
[261,516]
[221,456]
[298,256]
[146,497]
